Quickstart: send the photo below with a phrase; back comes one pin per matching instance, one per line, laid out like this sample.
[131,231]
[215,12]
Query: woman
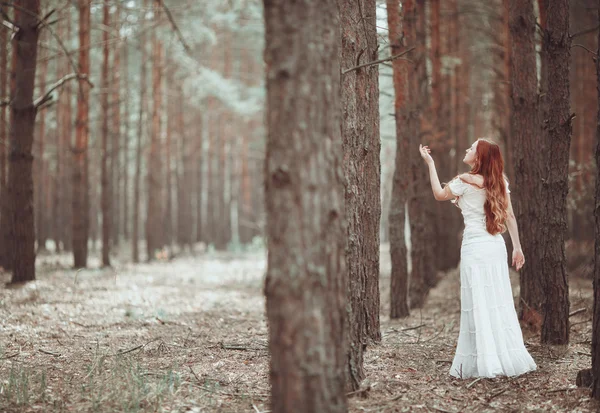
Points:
[490,342]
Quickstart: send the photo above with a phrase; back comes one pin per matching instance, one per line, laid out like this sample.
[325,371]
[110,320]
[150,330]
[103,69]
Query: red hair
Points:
[490,165]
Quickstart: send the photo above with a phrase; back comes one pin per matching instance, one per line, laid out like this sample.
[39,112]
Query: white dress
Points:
[490,342]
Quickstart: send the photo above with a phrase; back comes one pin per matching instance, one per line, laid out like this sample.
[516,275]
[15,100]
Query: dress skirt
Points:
[490,341]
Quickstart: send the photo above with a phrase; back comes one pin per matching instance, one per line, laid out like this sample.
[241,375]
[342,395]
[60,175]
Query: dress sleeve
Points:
[457,186]
[507,190]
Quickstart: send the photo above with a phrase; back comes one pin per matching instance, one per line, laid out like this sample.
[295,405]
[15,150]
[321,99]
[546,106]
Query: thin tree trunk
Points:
[557,134]
[510,167]
[40,167]
[306,281]
[126,137]
[154,218]
[23,111]
[115,132]
[399,302]
[189,156]
[138,150]
[525,131]
[4,240]
[211,153]
[81,194]
[105,170]
[199,187]
[168,223]
[65,190]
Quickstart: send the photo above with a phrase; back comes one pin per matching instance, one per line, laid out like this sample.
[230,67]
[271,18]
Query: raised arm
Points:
[439,193]
[518,259]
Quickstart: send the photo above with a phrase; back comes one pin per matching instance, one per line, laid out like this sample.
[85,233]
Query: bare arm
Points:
[518,259]
[439,193]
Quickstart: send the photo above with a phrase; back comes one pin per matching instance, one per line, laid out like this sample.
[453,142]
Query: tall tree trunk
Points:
[199,161]
[510,167]
[81,191]
[63,200]
[525,131]
[399,306]
[115,132]
[168,219]
[4,240]
[211,154]
[23,111]
[105,170]
[596,315]
[306,276]
[189,156]
[135,236]
[360,133]
[420,203]
[557,136]
[155,217]
[40,167]
[126,137]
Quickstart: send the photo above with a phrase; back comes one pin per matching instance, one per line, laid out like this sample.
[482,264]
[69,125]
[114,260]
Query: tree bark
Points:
[135,235]
[126,137]
[199,161]
[399,303]
[557,135]
[115,132]
[525,131]
[360,133]
[20,159]
[155,217]
[4,240]
[63,193]
[81,194]
[596,315]
[423,271]
[168,218]
[306,235]
[41,187]
[105,171]
[400,187]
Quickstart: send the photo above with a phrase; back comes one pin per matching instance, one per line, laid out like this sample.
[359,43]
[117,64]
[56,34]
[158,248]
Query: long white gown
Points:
[490,341]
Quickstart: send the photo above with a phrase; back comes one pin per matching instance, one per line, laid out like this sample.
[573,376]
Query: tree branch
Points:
[48,95]
[586,31]
[583,47]
[376,62]
[43,23]
[175,27]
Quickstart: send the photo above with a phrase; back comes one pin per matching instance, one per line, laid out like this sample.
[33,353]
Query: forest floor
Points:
[189,335]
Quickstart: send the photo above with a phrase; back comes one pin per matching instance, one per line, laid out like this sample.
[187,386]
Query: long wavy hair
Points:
[490,165]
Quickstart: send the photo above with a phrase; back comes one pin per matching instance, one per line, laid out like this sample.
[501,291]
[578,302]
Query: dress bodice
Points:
[471,201]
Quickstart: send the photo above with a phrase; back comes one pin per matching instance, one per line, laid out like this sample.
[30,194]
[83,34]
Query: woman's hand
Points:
[518,259]
[425,154]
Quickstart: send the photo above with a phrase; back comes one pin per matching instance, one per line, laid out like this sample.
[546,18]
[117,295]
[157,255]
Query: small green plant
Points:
[24,386]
